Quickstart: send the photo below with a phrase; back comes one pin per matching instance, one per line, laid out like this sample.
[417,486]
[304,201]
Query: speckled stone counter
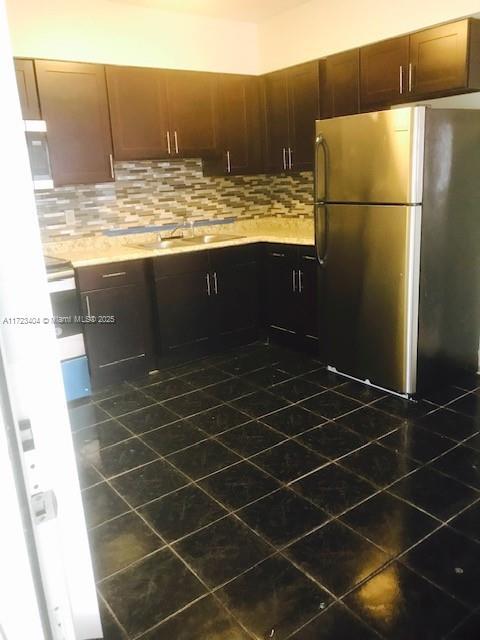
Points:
[102,249]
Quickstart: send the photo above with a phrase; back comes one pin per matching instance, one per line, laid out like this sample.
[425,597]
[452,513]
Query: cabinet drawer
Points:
[231,256]
[113,274]
[180,263]
[279,251]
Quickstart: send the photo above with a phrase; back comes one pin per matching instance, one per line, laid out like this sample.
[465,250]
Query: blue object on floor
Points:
[76,378]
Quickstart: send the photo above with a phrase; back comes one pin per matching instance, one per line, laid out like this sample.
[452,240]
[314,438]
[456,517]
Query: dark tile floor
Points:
[256,495]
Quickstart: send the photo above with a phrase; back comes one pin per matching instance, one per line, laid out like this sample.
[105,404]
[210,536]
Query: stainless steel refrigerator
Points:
[397,232]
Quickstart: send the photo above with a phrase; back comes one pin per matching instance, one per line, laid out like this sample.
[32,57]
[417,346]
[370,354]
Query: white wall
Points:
[321,27]
[123,32]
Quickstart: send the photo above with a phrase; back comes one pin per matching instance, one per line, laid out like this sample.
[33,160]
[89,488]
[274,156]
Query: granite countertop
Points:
[102,249]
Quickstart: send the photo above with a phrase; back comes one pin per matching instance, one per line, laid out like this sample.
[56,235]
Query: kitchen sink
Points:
[161,244]
[209,238]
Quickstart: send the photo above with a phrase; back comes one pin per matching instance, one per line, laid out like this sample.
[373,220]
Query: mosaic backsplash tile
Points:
[159,192]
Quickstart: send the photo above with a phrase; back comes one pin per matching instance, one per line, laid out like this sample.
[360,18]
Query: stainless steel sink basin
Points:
[209,238]
[161,244]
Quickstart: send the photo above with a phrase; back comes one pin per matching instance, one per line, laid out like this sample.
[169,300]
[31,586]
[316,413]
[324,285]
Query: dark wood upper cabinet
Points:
[192,113]
[139,112]
[27,89]
[434,62]
[340,82]
[73,100]
[445,59]
[304,109]
[291,108]
[383,73]
[277,121]
[239,127]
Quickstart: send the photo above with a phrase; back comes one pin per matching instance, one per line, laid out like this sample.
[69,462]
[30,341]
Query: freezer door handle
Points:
[320,144]
[321,233]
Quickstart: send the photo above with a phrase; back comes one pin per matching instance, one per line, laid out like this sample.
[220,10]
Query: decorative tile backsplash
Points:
[157,192]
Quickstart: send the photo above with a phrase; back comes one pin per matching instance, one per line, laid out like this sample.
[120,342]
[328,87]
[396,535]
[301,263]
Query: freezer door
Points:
[371,157]
[371,258]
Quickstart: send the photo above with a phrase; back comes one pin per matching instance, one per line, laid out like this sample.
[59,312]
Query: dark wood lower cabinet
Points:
[154,313]
[205,301]
[291,301]
[235,304]
[119,339]
[183,313]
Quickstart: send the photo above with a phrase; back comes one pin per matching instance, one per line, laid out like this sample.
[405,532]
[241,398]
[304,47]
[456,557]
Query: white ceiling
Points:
[243,10]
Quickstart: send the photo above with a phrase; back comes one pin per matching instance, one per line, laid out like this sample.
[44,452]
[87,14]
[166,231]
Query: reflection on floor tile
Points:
[390,523]
[400,604]
[102,503]
[149,591]
[235,495]
[345,559]
[120,542]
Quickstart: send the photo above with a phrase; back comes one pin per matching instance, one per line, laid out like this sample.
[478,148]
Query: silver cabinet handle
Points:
[277,255]
[175,137]
[410,77]
[294,281]
[229,164]
[209,291]
[112,170]
[114,275]
[401,79]
[215,282]
[169,146]
[300,281]
[87,302]
[289,158]
[284,151]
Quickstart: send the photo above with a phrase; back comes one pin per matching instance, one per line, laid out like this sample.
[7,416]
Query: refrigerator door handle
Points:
[321,235]
[320,144]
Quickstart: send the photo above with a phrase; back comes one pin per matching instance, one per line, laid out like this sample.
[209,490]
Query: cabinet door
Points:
[239,125]
[192,111]
[304,109]
[138,109]
[439,59]
[276,114]
[280,296]
[341,84]
[27,89]
[236,303]
[73,99]
[383,73]
[183,312]
[308,287]
[120,350]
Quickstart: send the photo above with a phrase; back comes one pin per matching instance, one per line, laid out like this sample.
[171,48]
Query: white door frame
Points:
[35,385]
